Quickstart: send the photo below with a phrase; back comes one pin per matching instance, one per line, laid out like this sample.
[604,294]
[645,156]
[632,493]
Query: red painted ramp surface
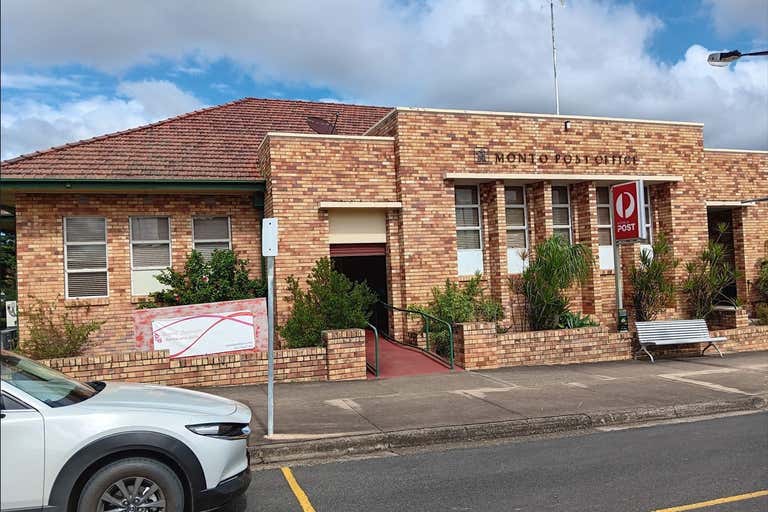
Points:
[395,360]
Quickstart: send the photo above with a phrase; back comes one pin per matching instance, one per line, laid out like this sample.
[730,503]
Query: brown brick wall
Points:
[478,346]
[39,224]
[344,361]
[346,354]
[302,172]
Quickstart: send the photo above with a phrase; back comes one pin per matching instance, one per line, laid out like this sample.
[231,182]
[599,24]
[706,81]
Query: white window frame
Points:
[131,243]
[196,241]
[479,229]
[569,226]
[605,251]
[648,244]
[67,271]
[511,268]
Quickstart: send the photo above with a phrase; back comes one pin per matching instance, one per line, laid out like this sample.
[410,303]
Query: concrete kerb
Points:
[268,454]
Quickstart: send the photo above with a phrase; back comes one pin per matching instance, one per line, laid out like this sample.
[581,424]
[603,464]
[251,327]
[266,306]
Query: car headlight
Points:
[222,430]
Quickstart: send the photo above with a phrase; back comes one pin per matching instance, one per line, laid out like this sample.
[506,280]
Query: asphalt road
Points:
[642,469]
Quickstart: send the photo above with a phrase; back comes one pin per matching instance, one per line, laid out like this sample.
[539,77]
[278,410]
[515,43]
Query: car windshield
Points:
[49,386]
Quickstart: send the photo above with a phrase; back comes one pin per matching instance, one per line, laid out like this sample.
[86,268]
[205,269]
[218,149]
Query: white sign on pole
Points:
[269,237]
[269,250]
[11,313]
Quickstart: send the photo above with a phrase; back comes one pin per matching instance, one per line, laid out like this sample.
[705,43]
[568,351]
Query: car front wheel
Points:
[133,485]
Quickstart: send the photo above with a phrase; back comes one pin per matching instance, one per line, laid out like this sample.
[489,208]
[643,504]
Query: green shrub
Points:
[569,320]
[222,277]
[458,303]
[708,277]
[331,301]
[652,288]
[53,335]
[761,283]
[553,268]
[762,313]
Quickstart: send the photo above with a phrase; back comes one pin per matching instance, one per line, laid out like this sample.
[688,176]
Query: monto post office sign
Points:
[487,156]
[628,212]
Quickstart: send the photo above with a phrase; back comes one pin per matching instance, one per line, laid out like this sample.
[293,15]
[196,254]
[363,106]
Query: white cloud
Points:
[29,125]
[33,81]
[487,54]
[732,16]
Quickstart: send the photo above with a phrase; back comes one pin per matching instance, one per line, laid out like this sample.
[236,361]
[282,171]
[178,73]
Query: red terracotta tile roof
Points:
[213,143]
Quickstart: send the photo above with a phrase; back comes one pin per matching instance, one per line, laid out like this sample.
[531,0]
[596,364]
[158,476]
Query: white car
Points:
[68,446]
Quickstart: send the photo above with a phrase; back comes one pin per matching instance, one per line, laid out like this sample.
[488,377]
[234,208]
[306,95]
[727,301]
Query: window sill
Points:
[135,299]
[604,272]
[79,303]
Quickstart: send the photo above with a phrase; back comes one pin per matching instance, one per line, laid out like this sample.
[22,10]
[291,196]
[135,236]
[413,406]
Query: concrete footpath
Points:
[334,419]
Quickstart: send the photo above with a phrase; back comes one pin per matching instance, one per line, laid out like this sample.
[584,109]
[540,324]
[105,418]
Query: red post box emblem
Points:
[628,212]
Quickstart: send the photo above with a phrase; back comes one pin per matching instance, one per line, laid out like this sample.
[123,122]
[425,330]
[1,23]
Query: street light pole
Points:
[722,59]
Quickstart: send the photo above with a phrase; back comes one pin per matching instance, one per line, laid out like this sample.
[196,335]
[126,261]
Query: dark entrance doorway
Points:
[720,227]
[366,267]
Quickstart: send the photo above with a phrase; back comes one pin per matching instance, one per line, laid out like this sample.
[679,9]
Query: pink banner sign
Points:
[201,329]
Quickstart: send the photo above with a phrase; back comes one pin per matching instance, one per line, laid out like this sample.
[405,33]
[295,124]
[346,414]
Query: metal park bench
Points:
[675,332]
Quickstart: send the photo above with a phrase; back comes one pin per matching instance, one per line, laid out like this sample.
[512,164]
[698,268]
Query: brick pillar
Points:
[495,238]
[540,212]
[475,345]
[584,208]
[395,274]
[345,354]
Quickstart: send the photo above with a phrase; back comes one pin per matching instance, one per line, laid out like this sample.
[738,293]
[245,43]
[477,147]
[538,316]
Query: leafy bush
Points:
[708,278]
[652,288]
[457,303]
[761,283]
[53,335]
[762,313]
[223,277]
[569,320]
[331,301]
[553,268]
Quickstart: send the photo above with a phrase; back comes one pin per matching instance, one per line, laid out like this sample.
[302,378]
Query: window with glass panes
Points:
[604,230]
[561,212]
[85,257]
[211,233]
[150,252]
[468,232]
[517,228]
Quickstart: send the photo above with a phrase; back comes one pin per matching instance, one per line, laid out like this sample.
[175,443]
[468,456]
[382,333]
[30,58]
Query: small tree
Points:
[331,301]
[457,303]
[222,277]
[53,335]
[553,268]
[708,278]
[761,283]
[652,288]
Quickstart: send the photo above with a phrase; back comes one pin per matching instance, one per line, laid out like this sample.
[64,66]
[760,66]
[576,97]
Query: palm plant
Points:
[555,266]
[652,288]
[709,276]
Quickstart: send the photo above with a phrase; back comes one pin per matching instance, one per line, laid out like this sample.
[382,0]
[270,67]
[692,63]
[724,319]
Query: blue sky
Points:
[90,67]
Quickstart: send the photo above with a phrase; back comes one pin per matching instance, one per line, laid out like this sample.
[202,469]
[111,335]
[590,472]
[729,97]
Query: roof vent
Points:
[321,126]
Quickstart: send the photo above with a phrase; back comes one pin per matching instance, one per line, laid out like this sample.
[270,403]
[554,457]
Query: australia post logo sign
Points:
[628,212]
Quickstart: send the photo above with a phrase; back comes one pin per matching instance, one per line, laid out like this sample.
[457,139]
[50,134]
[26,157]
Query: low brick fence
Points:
[343,358]
[479,346]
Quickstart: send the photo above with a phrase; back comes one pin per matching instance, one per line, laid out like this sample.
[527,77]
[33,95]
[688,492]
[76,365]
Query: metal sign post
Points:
[269,251]
[628,225]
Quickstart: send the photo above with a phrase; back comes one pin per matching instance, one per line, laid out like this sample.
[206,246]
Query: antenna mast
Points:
[554,53]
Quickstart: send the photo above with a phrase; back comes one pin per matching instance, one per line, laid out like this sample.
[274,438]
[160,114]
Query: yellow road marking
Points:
[712,503]
[301,496]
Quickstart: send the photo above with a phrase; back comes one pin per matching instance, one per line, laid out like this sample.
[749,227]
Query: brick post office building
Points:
[404,198]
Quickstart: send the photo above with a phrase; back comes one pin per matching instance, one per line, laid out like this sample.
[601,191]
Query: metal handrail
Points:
[426,317]
[376,349]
